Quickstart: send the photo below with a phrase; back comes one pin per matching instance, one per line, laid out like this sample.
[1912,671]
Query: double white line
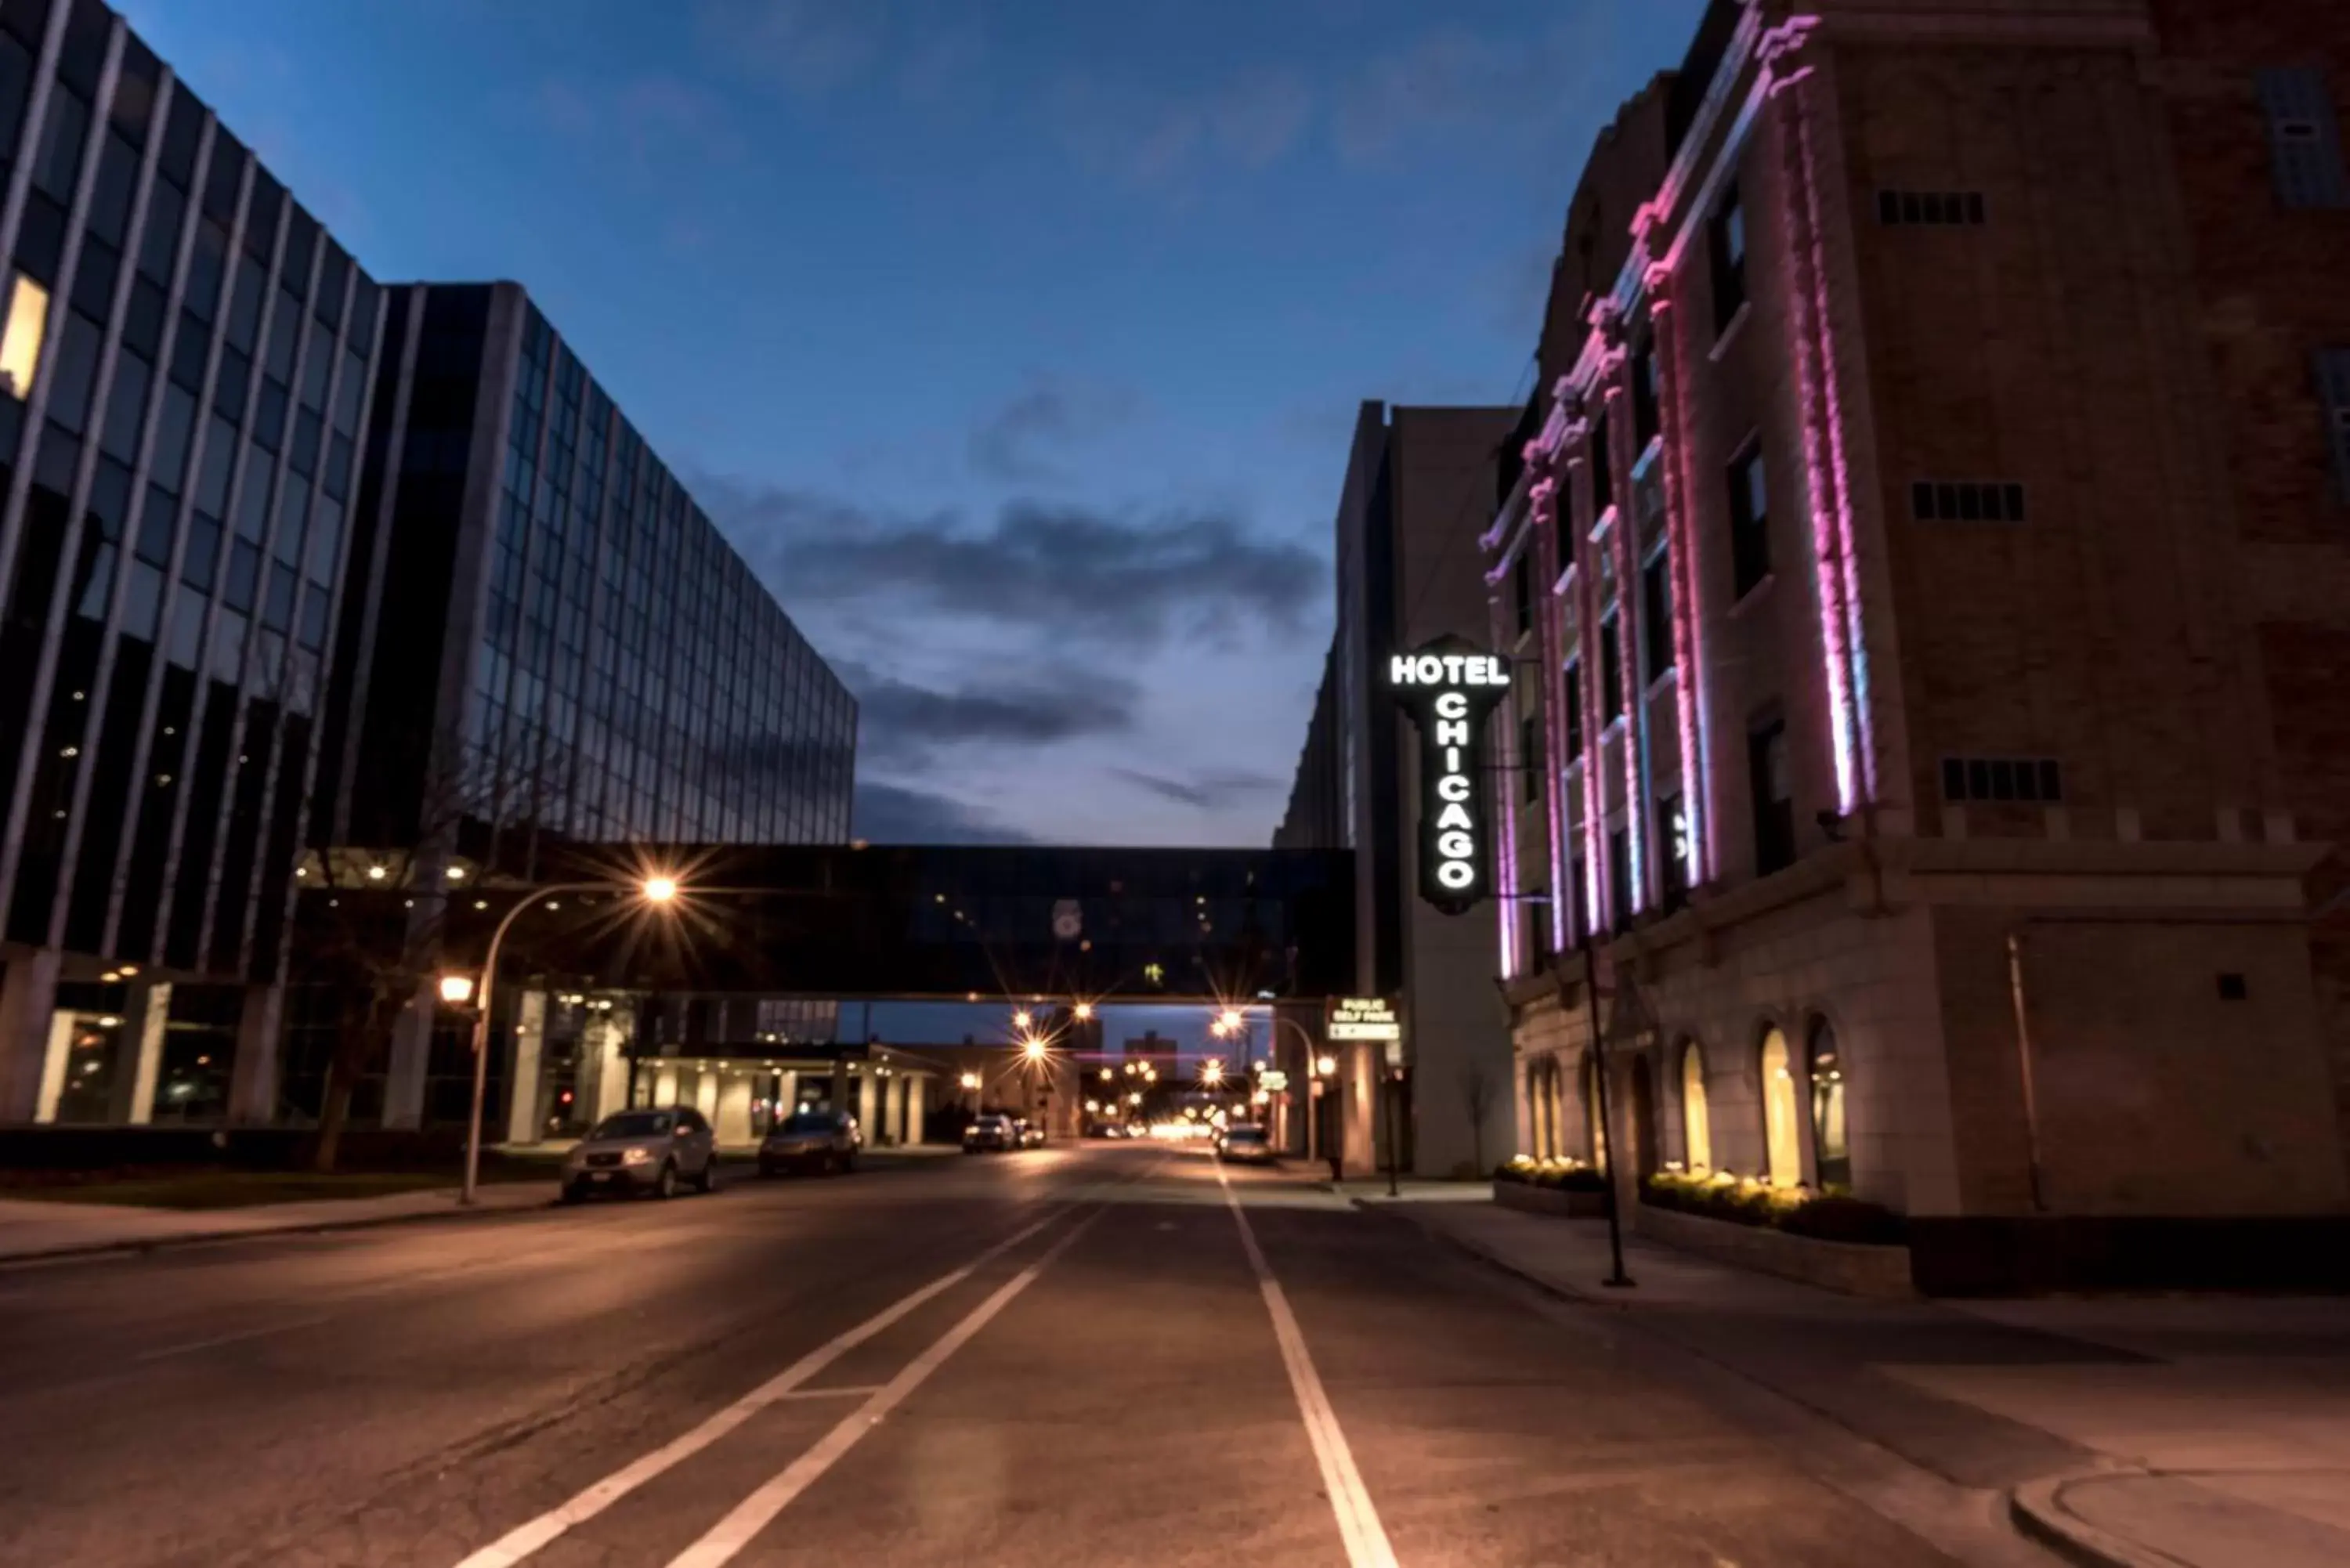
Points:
[526,1539]
[1359,1521]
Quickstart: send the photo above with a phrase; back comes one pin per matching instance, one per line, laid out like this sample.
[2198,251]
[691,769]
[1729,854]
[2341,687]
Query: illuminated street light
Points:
[1325,1065]
[1083,1011]
[970,1080]
[1105,1074]
[1135,1098]
[654,889]
[1021,1020]
[1211,1071]
[456,990]
[1093,1107]
[1033,1049]
[1231,1018]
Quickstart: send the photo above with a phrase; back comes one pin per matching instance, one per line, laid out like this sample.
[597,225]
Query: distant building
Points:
[1416,480]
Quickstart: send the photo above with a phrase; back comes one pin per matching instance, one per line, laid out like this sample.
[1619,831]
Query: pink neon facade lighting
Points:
[1621,542]
[1550,636]
[1503,739]
[1688,685]
[1854,644]
[1827,545]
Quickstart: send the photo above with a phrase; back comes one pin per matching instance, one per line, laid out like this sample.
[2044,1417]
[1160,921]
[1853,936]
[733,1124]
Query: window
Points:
[58,164]
[2304,142]
[2027,779]
[1645,398]
[1772,797]
[1611,669]
[71,384]
[1915,209]
[1603,467]
[1962,500]
[1619,877]
[1831,1147]
[20,342]
[1697,1126]
[1749,523]
[2332,395]
[1782,1148]
[1673,851]
[1521,589]
[1573,697]
[1656,615]
[1531,765]
[1726,240]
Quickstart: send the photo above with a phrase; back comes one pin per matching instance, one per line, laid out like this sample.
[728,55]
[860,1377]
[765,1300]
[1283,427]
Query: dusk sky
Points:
[1016,344]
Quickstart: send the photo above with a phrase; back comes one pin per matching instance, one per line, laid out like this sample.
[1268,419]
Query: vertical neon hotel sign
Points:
[1448,689]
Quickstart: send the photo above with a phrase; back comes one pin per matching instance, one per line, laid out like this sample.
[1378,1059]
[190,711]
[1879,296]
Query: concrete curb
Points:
[2039,1512]
[251,1234]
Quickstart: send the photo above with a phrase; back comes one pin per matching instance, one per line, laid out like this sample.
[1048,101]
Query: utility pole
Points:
[1618,1280]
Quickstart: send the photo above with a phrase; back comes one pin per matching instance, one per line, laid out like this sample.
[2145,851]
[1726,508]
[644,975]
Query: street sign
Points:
[1068,920]
[1362,1018]
[1274,1081]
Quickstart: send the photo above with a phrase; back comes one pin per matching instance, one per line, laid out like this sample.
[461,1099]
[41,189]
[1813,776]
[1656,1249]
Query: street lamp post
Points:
[655,889]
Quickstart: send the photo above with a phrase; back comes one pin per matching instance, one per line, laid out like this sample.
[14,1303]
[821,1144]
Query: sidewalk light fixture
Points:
[456,990]
[654,889]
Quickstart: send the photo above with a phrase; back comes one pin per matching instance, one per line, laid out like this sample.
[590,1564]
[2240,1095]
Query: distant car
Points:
[643,1151]
[817,1141]
[992,1133]
[1031,1135]
[1245,1145]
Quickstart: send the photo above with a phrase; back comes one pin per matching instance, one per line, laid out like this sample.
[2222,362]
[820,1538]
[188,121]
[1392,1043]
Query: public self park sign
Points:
[1449,688]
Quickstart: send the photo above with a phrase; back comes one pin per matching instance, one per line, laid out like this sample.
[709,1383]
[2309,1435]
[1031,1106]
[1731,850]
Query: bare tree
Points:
[1478,1091]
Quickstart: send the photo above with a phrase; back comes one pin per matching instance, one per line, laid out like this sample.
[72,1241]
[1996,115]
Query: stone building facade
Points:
[1924,535]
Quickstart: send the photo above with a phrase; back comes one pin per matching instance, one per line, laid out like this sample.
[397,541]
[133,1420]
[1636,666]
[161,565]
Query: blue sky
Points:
[1017,344]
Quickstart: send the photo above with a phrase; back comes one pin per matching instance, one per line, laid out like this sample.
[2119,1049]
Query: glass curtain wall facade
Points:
[583,658]
[185,365]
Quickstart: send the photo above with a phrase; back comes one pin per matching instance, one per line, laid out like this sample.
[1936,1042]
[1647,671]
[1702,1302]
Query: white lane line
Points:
[1358,1520]
[840,1391]
[754,1512]
[525,1539]
[220,1339]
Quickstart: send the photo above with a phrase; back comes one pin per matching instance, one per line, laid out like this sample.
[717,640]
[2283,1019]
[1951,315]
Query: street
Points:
[1066,1355]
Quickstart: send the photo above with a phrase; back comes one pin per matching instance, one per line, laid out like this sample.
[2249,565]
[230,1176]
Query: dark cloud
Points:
[1060,572]
[897,814]
[1209,791]
[900,721]
[1021,440]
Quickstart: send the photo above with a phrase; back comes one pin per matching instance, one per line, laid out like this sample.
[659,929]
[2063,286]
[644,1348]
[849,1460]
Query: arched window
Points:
[1697,1128]
[1781,1145]
[1831,1147]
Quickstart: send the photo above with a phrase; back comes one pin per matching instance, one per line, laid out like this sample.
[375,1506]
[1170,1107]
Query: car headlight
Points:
[636,1155]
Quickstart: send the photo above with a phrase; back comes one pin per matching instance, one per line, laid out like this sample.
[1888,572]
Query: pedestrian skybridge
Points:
[924,922]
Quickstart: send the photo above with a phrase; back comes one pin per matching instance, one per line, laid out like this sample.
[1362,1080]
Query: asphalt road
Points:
[1062,1356]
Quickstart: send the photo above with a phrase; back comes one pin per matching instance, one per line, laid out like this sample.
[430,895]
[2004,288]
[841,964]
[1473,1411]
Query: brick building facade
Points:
[1930,543]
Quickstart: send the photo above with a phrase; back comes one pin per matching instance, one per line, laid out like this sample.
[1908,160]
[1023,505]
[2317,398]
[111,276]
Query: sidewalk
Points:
[32,1228]
[2210,1432]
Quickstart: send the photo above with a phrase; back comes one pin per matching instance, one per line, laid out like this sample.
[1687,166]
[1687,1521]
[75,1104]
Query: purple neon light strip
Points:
[1697,804]
[1826,546]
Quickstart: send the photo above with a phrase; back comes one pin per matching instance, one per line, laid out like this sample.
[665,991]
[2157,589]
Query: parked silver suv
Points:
[643,1151]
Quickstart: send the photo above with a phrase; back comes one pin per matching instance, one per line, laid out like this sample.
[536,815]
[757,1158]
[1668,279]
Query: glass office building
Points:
[556,643]
[185,361]
[549,645]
